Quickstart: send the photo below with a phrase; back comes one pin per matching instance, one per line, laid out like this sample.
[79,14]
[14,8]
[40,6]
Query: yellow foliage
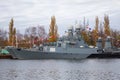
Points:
[106,26]
[12,33]
[53,35]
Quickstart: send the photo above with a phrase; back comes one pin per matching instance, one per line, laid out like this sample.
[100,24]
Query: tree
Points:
[21,40]
[28,36]
[41,34]
[11,24]
[12,33]
[115,37]
[19,36]
[3,38]
[95,31]
[101,32]
[14,37]
[106,26]
[53,35]
[85,37]
[35,35]
[96,23]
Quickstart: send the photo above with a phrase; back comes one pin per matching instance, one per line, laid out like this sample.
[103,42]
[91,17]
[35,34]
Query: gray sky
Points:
[38,12]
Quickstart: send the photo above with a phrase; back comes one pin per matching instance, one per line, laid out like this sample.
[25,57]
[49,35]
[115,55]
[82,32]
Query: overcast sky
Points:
[38,12]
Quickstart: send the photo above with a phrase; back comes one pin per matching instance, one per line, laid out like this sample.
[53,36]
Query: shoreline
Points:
[8,56]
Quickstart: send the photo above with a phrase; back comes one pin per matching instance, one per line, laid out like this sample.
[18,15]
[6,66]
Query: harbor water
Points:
[86,69]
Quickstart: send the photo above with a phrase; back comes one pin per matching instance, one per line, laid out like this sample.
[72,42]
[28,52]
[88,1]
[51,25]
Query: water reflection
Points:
[87,69]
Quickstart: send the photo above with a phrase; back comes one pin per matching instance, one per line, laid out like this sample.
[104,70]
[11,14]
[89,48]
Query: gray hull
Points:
[25,54]
[71,46]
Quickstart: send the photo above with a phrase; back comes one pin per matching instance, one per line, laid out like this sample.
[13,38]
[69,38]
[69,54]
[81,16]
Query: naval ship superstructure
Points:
[69,46]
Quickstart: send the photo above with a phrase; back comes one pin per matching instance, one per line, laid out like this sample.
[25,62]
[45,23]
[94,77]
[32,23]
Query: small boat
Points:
[4,54]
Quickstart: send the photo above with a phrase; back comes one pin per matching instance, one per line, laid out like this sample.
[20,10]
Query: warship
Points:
[69,46]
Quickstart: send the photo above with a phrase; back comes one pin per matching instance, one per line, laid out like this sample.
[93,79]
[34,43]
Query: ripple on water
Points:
[90,69]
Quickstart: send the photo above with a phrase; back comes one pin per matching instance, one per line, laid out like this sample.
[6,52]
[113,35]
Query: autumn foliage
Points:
[36,35]
[12,34]
[53,35]
[101,30]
